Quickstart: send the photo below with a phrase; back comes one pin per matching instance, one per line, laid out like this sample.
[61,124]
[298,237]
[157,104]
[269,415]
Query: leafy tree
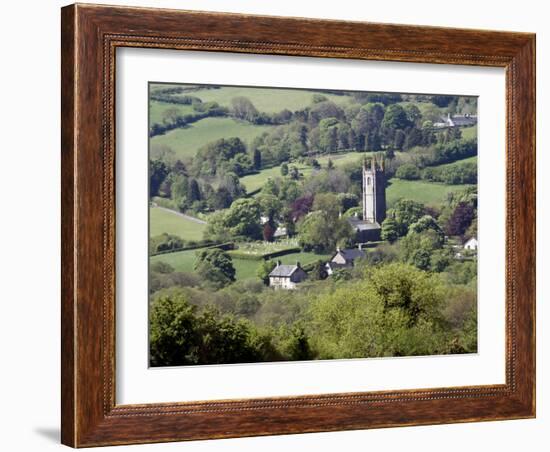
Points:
[294,173]
[317,98]
[413,113]
[157,173]
[394,311]
[318,271]
[390,230]
[396,118]
[243,108]
[180,335]
[264,269]
[193,191]
[161,267]
[460,219]
[268,231]
[426,223]
[284,169]
[257,158]
[165,242]
[405,212]
[408,171]
[321,233]
[243,219]
[216,266]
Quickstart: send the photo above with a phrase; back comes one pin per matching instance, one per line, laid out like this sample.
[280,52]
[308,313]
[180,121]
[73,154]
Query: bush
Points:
[408,171]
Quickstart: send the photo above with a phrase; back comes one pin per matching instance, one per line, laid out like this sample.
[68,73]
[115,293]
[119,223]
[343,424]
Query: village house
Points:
[344,259]
[471,244]
[286,276]
[456,121]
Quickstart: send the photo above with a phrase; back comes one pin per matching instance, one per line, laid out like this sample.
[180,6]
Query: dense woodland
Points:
[411,295]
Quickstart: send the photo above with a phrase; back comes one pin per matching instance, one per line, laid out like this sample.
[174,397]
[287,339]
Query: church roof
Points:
[362,225]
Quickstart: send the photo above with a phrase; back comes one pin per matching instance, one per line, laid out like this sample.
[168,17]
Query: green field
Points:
[161,220]
[469,132]
[255,181]
[458,162]
[186,141]
[428,193]
[156,109]
[268,100]
[183,261]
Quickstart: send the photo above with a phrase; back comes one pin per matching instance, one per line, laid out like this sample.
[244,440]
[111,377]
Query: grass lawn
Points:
[268,100]
[161,221]
[183,261]
[156,109]
[186,141]
[428,193]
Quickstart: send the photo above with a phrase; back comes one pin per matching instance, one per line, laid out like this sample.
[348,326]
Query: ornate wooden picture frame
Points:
[90,37]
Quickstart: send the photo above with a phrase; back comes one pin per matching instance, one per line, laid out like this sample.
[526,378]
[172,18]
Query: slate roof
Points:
[283,271]
[362,225]
[352,253]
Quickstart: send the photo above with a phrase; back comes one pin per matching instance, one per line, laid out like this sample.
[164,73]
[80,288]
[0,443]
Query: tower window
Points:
[368,180]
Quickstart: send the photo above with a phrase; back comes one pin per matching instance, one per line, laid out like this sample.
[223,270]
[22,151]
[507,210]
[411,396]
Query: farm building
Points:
[286,276]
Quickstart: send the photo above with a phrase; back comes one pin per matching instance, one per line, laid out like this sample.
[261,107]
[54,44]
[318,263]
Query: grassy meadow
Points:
[431,194]
[268,100]
[164,221]
[183,261]
[187,140]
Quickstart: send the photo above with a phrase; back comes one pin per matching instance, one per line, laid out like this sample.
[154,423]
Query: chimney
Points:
[298,264]
[337,249]
[360,246]
[278,263]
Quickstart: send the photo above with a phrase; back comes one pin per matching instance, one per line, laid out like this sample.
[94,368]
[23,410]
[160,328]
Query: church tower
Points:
[374,191]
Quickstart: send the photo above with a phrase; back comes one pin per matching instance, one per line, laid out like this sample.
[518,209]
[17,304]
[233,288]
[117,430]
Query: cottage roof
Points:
[351,254]
[283,271]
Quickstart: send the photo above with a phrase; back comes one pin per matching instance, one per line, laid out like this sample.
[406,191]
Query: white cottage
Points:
[471,244]
[286,276]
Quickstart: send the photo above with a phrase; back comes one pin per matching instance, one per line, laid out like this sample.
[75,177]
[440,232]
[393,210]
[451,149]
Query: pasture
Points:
[428,193]
[187,140]
[162,220]
[157,109]
[268,100]
[183,261]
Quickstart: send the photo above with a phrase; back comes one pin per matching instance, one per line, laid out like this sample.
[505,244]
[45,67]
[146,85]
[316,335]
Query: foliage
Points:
[405,212]
[394,312]
[215,266]
[165,242]
[180,335]
[460,219]
[408,171]
[264,269]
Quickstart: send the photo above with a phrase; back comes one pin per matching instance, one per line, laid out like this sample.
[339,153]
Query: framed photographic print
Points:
[280,225]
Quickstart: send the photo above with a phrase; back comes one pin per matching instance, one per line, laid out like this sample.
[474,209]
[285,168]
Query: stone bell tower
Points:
[374,190]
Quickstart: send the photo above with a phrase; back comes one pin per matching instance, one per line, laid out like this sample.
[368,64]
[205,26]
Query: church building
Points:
[373,202]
